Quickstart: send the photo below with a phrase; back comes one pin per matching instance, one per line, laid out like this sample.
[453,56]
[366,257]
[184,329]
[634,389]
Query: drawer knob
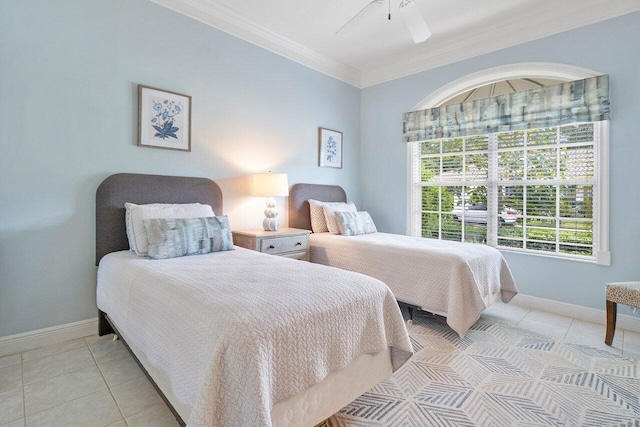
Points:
[271,247]
[298,244]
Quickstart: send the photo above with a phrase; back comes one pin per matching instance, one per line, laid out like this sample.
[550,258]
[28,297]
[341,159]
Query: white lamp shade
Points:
[269,185]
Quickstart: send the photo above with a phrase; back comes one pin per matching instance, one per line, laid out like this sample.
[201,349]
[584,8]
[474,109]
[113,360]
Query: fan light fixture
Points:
[409,10]
[414,20]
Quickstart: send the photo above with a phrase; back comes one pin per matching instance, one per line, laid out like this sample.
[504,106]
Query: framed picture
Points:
[330,155]
[164,119]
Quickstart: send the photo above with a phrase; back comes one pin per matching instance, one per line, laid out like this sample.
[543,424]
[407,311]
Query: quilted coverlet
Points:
[236,332]
[456,280]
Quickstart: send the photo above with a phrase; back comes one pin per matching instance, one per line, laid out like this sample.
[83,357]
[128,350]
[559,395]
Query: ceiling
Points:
[379,50]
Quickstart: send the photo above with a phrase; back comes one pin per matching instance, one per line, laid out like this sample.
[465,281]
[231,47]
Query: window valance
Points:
[584,100]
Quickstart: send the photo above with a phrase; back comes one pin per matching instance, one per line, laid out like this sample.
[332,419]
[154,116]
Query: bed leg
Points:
[104,327]
[410,321]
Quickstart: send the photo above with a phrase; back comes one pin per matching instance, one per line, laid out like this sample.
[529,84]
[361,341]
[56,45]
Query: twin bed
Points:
[455,280]
[240,338]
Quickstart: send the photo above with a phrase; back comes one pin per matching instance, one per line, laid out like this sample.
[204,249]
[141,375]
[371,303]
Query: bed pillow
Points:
[170,238]
[136,214]
[318,223]
[355,223]
[330,210]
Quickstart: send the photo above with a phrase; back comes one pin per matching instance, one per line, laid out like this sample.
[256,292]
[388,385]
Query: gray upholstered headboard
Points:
[299,216]
[116,190]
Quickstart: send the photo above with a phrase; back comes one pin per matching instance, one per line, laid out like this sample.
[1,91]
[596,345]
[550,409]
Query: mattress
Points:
[456,280]
[236,332]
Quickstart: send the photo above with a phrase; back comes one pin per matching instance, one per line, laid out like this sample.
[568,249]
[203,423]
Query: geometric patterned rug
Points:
[498,375]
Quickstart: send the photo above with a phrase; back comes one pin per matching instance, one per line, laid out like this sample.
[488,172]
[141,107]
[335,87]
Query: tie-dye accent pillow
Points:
[319,222]
[330,210]
[136,214]
[355,223]
[170,238]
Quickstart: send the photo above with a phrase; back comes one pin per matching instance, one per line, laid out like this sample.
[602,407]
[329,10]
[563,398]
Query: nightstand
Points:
[286,242]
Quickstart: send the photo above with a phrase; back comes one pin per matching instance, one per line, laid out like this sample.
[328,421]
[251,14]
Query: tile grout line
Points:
[565,336]
[52,354]
[119,384]
[523,317]
[80,397]
[106,383]
[64,403]
[59,375]
[24,398]
[56,376]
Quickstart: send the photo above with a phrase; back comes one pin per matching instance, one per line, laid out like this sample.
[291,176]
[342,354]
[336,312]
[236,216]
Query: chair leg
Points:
[612,311]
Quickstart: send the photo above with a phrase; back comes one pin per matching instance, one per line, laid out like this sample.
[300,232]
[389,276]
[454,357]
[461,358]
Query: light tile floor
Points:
[91,381]
[94,381]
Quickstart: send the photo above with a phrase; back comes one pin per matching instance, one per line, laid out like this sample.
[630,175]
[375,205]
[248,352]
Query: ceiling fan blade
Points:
[414,20]
[360,16]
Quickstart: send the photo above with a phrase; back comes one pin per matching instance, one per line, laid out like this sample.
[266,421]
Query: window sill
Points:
[605,257]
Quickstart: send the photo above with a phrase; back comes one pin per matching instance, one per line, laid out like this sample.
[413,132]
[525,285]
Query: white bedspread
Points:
[235,332]
[456,280]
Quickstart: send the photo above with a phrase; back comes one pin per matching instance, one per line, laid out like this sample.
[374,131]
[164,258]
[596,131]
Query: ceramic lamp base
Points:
[270,224]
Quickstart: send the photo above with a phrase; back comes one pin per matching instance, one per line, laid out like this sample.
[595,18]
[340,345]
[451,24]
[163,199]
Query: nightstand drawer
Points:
[286,242]
[280,245]
[296,255]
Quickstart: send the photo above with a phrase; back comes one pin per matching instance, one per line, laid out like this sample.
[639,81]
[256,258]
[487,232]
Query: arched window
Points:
[526,171]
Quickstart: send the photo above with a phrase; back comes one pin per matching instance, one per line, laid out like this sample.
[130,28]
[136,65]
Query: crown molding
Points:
[231,22]
[493,38]
[449,50]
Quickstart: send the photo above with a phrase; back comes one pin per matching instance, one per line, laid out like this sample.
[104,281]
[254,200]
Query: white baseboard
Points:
[579,312]
[56,334]
[48,336]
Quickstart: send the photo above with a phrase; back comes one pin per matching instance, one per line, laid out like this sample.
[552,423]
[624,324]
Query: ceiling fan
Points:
[409,10]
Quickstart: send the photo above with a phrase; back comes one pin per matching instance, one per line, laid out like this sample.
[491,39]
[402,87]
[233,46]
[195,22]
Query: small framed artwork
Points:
[330,155]
[164,119]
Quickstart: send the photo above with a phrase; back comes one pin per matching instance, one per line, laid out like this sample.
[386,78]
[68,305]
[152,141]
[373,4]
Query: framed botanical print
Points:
[164,119]
[330,154]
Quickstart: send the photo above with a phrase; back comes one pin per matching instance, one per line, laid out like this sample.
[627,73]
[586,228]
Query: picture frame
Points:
[330,148]
[164,119]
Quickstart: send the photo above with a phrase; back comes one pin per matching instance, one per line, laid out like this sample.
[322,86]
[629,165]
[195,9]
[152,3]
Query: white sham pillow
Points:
[136,214]
[318,223]
[330,210]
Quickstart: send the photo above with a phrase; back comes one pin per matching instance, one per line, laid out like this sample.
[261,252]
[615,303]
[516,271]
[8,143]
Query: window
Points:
[539,190]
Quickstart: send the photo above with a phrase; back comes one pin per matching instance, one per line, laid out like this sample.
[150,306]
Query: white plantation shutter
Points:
[547,179]
[526,171]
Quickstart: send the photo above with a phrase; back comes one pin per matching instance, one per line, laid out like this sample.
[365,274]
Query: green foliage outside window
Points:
[557,218]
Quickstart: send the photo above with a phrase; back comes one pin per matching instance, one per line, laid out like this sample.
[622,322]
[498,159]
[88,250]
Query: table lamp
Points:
[270,185]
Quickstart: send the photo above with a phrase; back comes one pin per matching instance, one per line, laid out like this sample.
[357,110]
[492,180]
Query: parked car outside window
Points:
[478,214]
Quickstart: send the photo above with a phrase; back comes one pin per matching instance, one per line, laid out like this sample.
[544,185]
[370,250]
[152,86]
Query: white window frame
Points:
[602,255]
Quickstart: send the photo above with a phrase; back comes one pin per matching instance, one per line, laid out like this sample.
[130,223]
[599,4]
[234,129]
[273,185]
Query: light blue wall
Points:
[610,47]
[68,118]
